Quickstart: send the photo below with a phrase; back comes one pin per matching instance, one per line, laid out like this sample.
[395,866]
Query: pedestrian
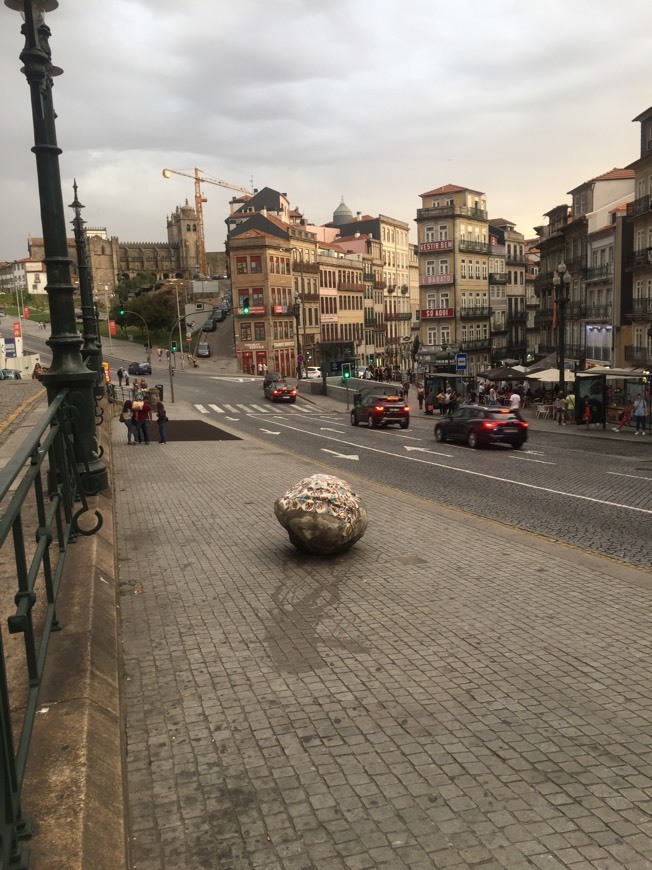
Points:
[625,417]
[586,414]
[441,401]
[570,408]
[639,413]
[127,417]
[142,412]
[493,397]
[159,352]
[265,369]
[515,403]
[406,389]
[260,367]
[161,419]
[420,395]
[430,402]
[560,409]
[121,374]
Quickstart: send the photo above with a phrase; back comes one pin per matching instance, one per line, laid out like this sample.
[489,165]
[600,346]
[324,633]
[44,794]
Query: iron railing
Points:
[41,487]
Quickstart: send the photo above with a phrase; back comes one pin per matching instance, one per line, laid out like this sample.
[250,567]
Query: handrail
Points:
[47,453]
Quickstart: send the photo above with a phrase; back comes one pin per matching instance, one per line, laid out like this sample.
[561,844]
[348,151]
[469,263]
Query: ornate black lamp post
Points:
[297,314]
[562,282]
[92,351]
[67,370]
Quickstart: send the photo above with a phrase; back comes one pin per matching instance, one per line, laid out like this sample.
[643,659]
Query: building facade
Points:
[454,253]
[637,326]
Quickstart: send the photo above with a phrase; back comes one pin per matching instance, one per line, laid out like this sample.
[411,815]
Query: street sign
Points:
[461,362]
[299,357]
[16,330]
[406,339]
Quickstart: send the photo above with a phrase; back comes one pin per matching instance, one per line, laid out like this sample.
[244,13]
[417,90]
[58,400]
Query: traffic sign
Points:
[300,357]
[406,339]
[461,362]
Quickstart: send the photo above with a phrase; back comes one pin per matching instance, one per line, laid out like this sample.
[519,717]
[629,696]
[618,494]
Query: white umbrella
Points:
[551,376]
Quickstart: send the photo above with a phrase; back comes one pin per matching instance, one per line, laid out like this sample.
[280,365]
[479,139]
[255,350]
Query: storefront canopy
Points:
[551,376]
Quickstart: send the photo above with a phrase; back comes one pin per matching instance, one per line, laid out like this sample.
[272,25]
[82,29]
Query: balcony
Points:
[477,344]
[641,308]
[598,312]
[470,246]
[367,276]
[370,320]
[351,286]
[516,316]
[398,315]
[474,312]
[436,279]
[380,285]
[498,277]
[498,328]
[638,355]
[515,259]
[543,315]
[599,273]
[452,210]
[441,245]
[639,207]
[575,310]
[639,259]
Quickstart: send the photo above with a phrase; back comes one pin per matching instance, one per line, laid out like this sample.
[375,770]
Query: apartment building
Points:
[515,314]
[589,239]
[637,326]
[454,253]
[23,276]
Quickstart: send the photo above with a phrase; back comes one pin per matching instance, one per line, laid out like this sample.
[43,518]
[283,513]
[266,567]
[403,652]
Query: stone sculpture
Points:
[322,515]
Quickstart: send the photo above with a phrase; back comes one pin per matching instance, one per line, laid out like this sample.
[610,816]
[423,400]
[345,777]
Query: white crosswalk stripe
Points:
[254,409]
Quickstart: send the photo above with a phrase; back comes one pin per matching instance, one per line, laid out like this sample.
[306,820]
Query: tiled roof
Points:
[352,237]
[614,174]
[500,222]
[447,188]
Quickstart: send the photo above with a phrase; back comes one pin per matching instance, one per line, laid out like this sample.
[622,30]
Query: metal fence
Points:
[42,507]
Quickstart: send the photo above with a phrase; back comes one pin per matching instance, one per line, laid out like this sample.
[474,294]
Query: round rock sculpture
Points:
[322,515]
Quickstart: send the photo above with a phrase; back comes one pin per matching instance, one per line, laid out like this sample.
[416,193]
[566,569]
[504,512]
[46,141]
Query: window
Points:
[241,265]
[443,267]
[430,234]
[245,332]
[462,268]
[477,268]
[443,232]
[430,267]
[444,300]
[445,335]
[432,335]
[259,331]
[255,264]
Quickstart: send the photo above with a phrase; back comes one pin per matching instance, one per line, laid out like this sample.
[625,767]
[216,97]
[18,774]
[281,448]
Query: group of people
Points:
[137,416]
[635,410]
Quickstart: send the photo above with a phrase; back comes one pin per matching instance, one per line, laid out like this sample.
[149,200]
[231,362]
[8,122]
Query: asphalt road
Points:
[592,493]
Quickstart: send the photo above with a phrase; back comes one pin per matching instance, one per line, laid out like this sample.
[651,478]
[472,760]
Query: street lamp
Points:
[562,281]
[297,314]
[67,371]
[91,352]
[136,314]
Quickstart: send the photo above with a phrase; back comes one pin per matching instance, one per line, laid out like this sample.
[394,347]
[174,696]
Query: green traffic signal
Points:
[122,311]
[245,305]
[346,371]
[174,346]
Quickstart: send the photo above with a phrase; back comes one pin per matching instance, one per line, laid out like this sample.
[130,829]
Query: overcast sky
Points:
[374,100]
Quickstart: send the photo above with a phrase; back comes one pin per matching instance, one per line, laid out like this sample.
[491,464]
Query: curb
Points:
[21,408]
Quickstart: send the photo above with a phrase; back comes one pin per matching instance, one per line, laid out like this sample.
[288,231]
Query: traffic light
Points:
[174,345]
[245,305]
[122,312]
[346,371]
[371,359]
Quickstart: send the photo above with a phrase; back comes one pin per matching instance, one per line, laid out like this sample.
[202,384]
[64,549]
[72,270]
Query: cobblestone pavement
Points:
[450,693]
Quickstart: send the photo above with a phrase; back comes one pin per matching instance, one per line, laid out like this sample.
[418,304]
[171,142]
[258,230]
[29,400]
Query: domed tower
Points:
[342,214]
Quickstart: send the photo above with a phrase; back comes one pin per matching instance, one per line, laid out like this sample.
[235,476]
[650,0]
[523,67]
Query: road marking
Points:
[234,419]
[244,408]
[232,378]
[202,409]
[473,473]
[231,409]
[340,455]
[540,461]
[327,429]
[217,409]
[269,431]
[425,450]
[261,409]
[635,476]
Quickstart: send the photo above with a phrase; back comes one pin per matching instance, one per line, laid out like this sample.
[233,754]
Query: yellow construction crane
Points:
[199,178]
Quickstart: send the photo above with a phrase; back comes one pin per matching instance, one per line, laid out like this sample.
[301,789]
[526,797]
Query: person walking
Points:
[570,408]
[143,415]
[560,409]
[420,395]
[515,403]
[639,414]
[159,352]
[120,373]
[161,420]
[625,417]
[127,417]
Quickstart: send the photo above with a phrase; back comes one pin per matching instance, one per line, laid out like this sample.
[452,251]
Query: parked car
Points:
[478,425]
[203,349]
[139,368]
[218,316]
[280,391]
[11,374]
[376,409]
[313,372]
[209,326]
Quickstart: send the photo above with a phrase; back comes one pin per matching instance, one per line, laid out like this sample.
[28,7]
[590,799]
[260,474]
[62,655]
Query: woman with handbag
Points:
[127,417]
